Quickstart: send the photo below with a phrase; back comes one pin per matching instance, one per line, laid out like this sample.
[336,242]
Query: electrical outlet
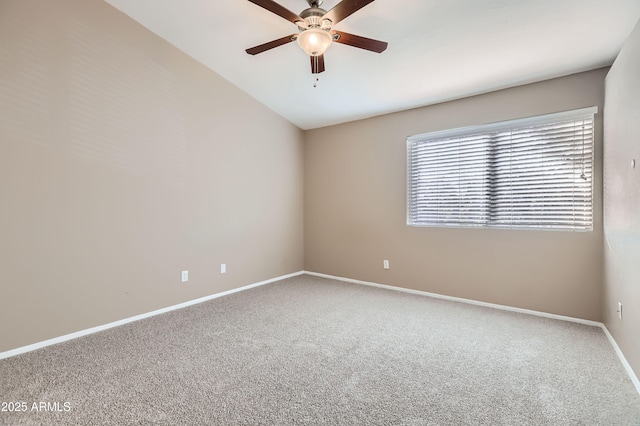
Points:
[385,264]
[185,276]
[619,311]
[223,268]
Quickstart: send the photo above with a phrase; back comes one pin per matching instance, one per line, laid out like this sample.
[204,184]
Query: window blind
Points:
[533,173]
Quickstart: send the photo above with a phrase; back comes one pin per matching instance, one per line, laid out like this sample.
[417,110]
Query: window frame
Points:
[491,129]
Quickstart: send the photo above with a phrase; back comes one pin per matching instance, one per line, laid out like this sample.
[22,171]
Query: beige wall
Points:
[355,215]
[622,200]
[122,162]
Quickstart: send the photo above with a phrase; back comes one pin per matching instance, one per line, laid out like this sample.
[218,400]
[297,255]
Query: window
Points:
[532,173]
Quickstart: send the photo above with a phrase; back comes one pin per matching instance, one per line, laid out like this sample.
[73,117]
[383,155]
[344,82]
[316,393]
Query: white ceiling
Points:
[438,49]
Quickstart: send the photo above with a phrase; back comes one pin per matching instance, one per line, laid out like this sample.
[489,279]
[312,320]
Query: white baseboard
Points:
[60,339]
[623,360]
[460,299]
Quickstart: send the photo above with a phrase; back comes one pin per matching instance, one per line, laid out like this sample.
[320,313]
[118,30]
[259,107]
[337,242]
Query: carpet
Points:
[310,350]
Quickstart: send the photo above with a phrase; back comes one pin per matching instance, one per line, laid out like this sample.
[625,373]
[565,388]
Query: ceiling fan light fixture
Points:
[314,41]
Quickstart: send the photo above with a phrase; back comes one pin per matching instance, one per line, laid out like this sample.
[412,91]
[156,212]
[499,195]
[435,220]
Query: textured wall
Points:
[355,214]
[122,162]
[622,199]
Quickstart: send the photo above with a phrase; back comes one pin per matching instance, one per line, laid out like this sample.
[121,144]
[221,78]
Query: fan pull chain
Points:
[315,74]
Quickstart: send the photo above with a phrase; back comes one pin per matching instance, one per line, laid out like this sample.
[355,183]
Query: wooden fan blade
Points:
[317,64]
[361,42]
[282,11]
[344,9]
[270,45]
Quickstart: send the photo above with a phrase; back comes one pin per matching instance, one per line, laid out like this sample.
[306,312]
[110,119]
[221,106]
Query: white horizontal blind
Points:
[529,173]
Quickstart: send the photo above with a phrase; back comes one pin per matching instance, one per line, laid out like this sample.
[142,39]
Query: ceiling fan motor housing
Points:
[313,18]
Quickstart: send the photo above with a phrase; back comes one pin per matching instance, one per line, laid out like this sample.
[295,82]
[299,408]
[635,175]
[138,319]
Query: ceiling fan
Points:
[316,31]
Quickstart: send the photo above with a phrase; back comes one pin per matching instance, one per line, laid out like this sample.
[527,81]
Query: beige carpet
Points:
[309,350]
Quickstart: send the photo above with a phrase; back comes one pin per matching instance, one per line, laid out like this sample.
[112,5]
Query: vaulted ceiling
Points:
[438,50]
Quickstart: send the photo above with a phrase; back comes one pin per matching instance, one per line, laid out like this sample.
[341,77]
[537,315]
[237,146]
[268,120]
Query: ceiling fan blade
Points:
[344,9]
[270,45]
[361,42]
[317,64]
[282,11]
